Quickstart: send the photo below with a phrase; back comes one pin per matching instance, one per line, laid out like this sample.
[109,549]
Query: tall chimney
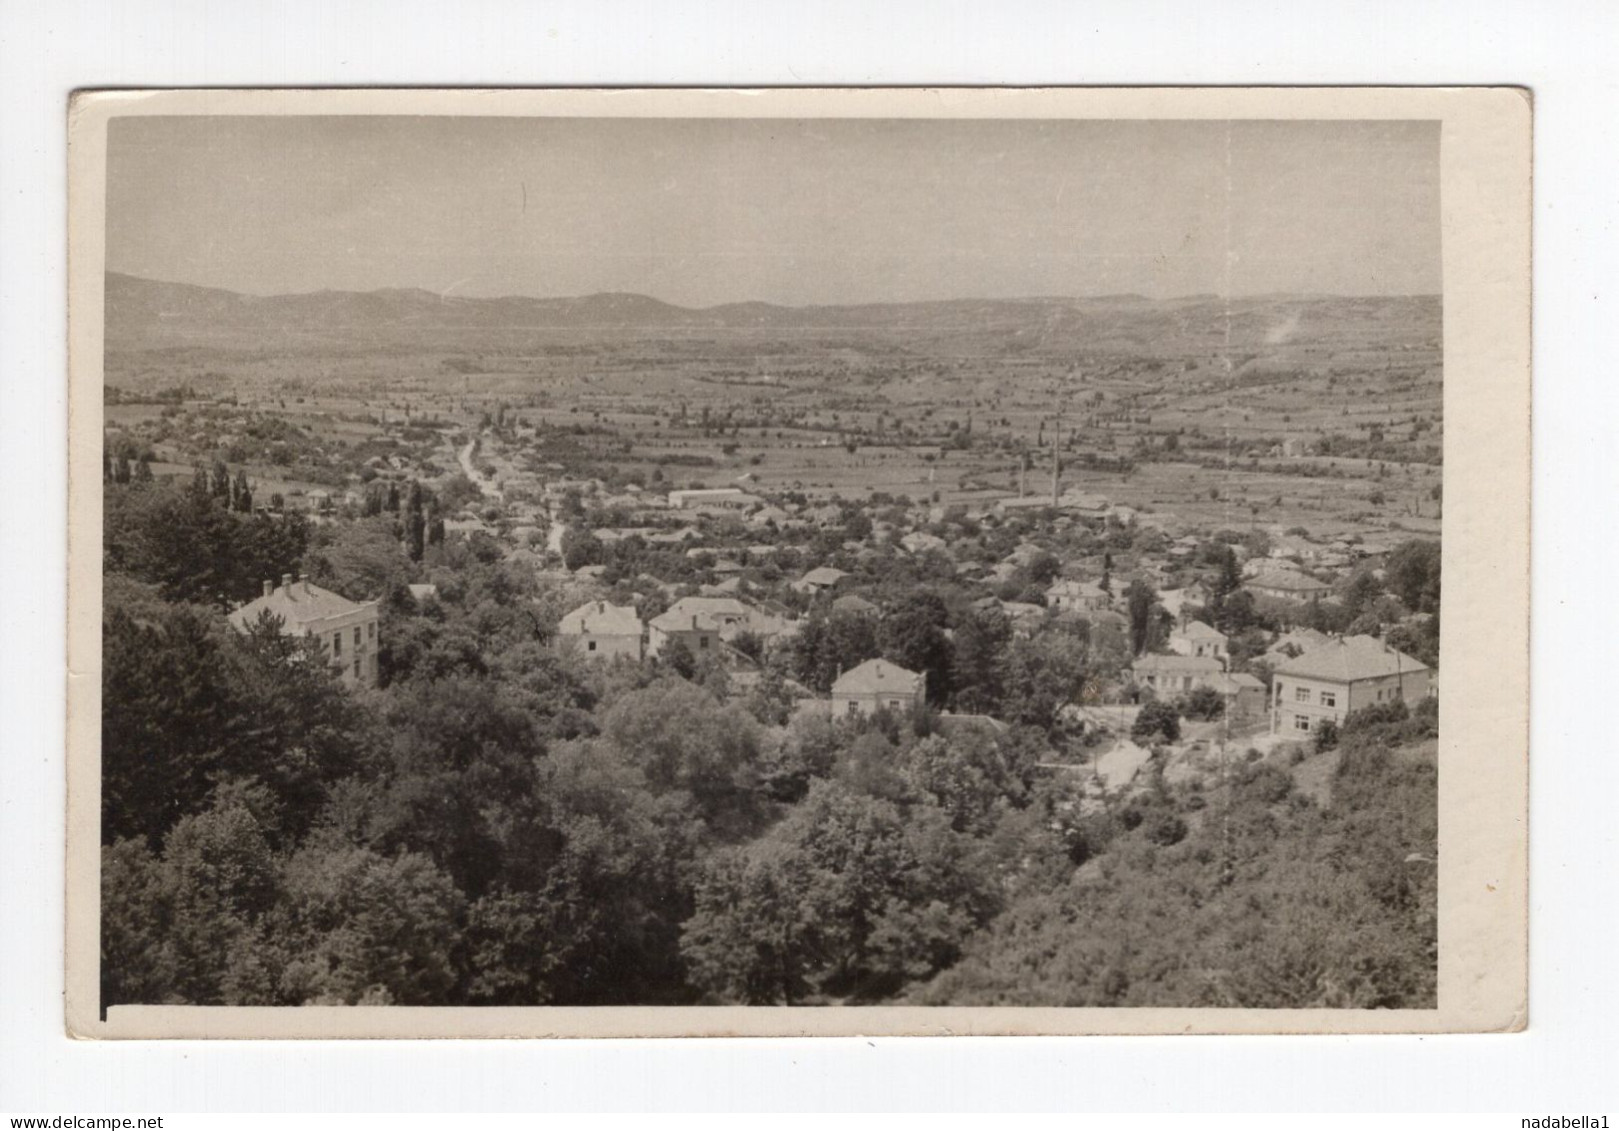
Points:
[269,587]
[286,584]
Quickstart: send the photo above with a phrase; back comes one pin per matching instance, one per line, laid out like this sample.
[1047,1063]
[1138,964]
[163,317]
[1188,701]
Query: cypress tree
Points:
[415,524]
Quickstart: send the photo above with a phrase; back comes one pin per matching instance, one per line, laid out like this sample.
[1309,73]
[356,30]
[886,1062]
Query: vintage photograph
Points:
[573,560]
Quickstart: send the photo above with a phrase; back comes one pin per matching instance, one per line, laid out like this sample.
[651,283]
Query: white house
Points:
[877,685]
[1332,679]
[1198,639]
[601,631]
[346,630]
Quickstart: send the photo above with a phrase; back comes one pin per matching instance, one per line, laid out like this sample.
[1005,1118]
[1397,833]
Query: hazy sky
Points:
[699,212]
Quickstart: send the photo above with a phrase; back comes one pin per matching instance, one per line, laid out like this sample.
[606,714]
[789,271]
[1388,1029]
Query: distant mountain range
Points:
[148,314]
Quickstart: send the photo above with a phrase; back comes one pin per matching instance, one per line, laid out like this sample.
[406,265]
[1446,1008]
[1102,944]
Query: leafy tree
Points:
[591,893]
[977,660]
[1203,703]
[967,776]
[190,926]
[360,559]
[1412,574]
[913,636]
[1042,568]
[366,928]
[1043,674]
[1156,720]
[684,741]
[580,549]
[192,548]
[168,711]
[844,899]
[677,656]
[829,644]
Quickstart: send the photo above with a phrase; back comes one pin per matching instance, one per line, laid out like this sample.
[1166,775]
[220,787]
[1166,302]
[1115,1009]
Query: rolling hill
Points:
[144,314]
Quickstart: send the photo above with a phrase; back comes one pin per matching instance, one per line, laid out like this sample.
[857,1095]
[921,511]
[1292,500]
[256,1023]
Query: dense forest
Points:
[502,823]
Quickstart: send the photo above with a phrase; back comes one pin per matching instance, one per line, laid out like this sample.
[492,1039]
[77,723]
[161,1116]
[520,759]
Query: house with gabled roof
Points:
[346,630]
[858,606]
[600,631]
[1070,596]
[701,623]
[1330,680]
[1195,638]
[1287,585]
[1174,675]
[877,685]
[822,579]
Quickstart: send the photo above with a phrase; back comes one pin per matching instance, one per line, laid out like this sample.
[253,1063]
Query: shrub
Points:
[1204,703]
[1326,736]
[1266,783]
[1156,719]
[1165,829]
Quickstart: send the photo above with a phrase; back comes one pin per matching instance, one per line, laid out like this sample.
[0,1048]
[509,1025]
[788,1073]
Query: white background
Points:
[1563,51]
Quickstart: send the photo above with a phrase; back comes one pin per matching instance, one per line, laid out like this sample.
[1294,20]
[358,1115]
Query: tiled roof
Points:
[1070,588]
[297,603]
[598,618]
[823,575]
[1294,581]
[1189,665]
[1301,638]
[1197,630]
[1350,659]
[1231,683]
[877,676]
[708,611]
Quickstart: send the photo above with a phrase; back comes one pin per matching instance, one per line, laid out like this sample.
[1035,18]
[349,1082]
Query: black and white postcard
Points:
[794,562]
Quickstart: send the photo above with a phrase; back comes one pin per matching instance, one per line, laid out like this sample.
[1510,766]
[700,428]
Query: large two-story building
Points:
[346,630]
[1332,679]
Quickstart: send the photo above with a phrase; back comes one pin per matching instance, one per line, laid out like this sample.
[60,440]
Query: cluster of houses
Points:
[703,625]
[1314,677]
